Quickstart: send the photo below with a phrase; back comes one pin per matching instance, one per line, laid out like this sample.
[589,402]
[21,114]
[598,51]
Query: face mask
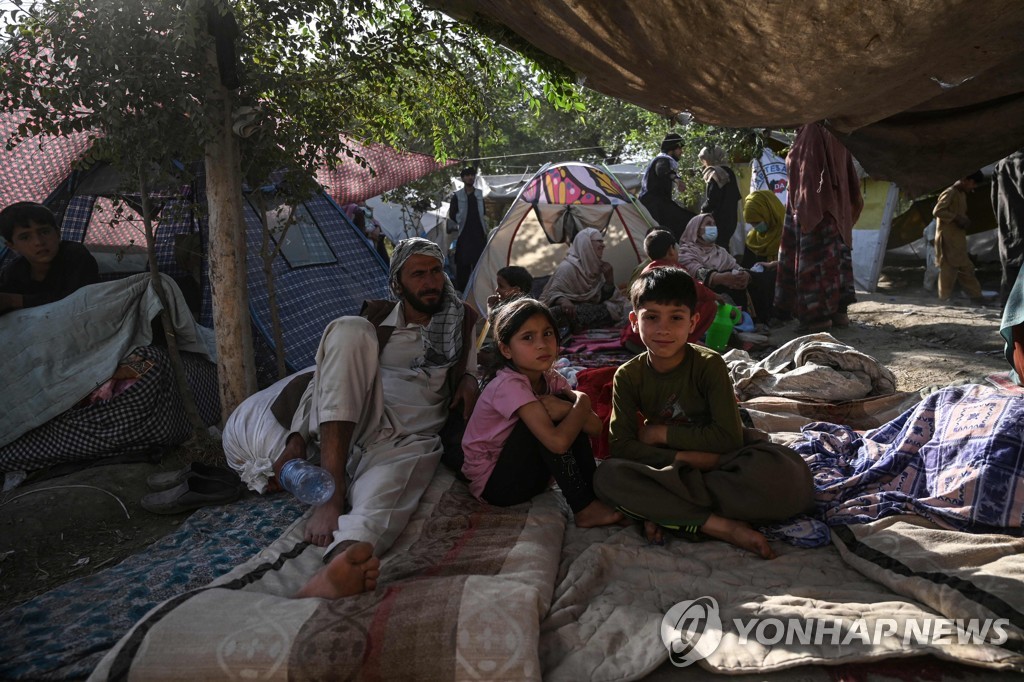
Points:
[760,228]
[711,233]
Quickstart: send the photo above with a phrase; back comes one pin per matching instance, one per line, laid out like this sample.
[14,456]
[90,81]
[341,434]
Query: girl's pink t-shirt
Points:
[493,419]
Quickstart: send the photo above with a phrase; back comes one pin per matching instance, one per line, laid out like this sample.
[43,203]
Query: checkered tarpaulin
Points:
[33,169]
[351,183]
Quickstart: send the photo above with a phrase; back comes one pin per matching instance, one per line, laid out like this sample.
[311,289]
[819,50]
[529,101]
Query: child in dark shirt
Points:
[679,458]
[48,269]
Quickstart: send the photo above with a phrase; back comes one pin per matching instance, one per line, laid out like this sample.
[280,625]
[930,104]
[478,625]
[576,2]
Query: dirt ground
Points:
[66,527]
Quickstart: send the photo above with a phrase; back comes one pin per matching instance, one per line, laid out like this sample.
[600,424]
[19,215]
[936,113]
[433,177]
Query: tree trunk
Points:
[184,390]
[231,323]
[268,252]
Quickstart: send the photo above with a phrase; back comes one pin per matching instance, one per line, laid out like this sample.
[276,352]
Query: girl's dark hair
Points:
[506,321]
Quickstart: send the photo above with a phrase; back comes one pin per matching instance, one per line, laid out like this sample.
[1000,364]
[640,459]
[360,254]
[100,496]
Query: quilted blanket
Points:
[461,596]
[813,367]
[956,459]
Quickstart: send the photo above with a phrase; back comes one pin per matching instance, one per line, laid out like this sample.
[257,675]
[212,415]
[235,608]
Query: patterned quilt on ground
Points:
[461,596]
[956,459]
[477,592]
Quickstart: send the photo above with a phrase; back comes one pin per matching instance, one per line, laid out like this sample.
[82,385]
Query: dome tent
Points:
[553,206]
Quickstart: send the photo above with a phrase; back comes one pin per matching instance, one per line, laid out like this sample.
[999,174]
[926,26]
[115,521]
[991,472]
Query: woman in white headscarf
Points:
[582,290]
[714,267]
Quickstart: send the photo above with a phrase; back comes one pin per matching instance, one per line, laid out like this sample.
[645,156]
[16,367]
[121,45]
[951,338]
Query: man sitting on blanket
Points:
[381,390]
[48,269]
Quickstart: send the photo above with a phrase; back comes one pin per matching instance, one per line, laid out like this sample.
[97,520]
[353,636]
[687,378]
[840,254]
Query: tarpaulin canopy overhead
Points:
[351,183]
[921,91]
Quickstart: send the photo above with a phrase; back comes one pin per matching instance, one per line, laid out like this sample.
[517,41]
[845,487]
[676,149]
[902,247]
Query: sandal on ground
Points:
[165,480]
[193,493]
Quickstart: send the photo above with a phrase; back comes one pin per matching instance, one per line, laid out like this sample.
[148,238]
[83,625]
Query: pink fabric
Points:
[493,419]
[695,253]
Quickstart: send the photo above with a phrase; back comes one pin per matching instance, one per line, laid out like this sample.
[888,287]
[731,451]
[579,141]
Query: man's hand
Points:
[963,221]
[653,434]
[322,523]
[557,408]
[466,393]
[567,307]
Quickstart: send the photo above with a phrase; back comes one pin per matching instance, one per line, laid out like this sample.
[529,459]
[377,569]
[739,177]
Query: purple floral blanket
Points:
[956,459]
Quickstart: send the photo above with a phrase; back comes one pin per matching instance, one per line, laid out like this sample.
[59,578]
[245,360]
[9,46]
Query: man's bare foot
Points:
[354,571]
[740,534]
[654,533]
[597,513]
[322,523]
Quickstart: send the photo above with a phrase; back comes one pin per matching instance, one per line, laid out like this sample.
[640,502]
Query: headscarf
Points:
[695,253]
[713,155]
[763,206]
[714,172]
[443,335]
[579,277]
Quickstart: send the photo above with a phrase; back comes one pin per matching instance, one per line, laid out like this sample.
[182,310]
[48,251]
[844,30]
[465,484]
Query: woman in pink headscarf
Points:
[582,290]
[715,268]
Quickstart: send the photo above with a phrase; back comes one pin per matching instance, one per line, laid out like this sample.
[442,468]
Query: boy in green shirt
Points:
[679,460]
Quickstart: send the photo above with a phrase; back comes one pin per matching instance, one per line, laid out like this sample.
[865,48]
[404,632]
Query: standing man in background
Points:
[656,188]
[466,216]
[951,228]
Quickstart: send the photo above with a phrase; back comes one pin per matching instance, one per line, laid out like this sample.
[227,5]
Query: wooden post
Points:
[227,251]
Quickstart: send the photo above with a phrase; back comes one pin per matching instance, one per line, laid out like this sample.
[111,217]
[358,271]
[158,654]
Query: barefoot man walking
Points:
[383,385]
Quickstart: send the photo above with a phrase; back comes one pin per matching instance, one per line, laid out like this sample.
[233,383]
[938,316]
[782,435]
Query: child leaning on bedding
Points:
[528,425]
[678,455]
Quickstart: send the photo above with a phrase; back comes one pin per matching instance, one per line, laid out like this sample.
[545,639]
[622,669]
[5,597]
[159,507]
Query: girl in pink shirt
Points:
[529,425]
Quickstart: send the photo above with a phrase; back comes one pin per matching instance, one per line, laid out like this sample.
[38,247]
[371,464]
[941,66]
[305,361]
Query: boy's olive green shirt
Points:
[695,400]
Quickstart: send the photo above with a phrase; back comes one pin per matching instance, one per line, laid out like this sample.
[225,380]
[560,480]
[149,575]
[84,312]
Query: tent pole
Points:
[633,201]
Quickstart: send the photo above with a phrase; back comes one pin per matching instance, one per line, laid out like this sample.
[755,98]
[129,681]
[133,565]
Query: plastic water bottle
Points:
[309,483]
[721,329]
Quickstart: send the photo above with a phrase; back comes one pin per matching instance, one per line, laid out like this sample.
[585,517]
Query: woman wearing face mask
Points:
[715,267]
[765,212]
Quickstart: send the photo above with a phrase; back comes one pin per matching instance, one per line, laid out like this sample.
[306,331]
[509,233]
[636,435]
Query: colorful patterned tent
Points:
[555,204]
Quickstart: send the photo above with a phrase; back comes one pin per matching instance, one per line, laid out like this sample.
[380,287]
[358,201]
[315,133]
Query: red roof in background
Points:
[351,183]
[33,169]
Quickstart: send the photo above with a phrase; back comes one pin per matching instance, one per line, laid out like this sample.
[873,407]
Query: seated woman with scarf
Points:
[715,267]
[582,291]
[765,212]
